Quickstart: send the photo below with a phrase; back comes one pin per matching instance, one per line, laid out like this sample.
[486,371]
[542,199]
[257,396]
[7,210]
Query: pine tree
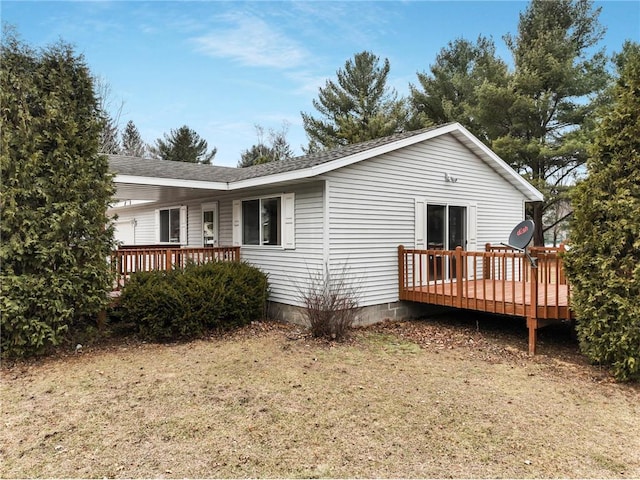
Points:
[540,121]
[56,189]
[183,145]
[110,132]
[449,93]
[132,143]
[359,107]
[109,142]
[603,263]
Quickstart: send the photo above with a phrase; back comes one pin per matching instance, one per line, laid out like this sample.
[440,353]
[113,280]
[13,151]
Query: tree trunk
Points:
[536,214]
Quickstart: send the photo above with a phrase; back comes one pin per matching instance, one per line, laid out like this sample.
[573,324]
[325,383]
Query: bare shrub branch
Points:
[330,302]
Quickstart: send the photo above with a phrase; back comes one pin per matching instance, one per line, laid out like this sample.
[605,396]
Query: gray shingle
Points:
[145,167]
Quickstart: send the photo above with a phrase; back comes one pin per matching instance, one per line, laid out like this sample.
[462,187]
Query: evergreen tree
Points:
[56,189]
[183,145]
[603,263]
[540,121]
[109,142]
[132,143]
[450,92]
[359,107]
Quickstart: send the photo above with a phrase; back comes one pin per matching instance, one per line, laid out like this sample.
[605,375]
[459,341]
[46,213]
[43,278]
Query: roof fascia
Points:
[170,182]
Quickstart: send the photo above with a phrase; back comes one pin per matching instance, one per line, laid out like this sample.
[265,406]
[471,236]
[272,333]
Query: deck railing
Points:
[498,280]
[128,260]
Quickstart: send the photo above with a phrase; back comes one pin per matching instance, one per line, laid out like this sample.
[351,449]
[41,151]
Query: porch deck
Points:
[496,281]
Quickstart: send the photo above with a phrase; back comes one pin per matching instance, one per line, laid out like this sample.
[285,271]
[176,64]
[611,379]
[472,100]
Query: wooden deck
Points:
[497,281]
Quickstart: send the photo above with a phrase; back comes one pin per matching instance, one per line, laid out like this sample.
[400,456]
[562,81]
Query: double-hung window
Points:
[265,221]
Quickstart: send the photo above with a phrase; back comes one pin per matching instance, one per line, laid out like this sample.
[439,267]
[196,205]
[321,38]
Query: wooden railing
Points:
[498,280]
[131,259]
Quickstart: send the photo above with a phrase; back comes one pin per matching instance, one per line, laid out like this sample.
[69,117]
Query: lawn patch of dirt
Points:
[452,396]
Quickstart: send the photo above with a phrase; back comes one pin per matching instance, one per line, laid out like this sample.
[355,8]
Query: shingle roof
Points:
[145,167]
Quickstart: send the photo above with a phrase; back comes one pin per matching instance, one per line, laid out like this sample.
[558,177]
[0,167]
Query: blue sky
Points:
[222,67]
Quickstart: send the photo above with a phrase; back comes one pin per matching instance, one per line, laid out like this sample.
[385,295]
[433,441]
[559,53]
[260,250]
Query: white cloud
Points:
[253,42]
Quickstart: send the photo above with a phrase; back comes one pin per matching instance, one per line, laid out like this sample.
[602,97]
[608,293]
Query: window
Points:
[261,221]
[446,227]
[266,221]
[171,225]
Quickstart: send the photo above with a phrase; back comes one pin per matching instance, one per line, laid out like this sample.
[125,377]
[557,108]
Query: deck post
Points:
[532,318]
[401,285]
[169,265]
[459,271]
[532,325]
[486,263]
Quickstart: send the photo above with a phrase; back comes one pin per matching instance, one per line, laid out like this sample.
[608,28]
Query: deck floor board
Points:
[507,297]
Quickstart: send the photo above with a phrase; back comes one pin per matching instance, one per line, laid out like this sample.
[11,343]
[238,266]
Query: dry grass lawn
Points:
[413,399]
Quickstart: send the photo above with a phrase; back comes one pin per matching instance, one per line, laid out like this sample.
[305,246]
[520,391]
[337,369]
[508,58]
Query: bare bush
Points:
[330,302]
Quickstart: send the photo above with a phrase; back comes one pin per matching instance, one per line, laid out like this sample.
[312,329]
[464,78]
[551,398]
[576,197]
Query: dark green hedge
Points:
[182,304]
[603,263]
[56,189]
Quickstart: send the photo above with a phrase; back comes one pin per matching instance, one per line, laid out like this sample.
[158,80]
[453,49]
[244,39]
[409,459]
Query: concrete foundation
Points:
[367,316]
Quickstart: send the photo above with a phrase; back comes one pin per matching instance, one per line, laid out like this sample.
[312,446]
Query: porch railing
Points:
[131,259]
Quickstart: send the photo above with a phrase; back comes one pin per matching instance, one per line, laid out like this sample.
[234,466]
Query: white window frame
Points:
[210,207]
[182,240]
[287,222]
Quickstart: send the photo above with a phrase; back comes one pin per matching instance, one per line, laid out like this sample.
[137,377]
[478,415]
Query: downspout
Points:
[326,240]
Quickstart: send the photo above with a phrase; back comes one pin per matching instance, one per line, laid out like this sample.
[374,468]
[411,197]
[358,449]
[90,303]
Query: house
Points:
[353,206]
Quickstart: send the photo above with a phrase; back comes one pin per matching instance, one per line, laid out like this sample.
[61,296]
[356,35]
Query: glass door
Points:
[210,225]
[446,230]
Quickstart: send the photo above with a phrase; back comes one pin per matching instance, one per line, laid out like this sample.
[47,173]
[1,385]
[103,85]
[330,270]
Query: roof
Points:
[144,171]
[147,167]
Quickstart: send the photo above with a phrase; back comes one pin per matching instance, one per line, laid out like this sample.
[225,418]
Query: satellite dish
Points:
[520,237]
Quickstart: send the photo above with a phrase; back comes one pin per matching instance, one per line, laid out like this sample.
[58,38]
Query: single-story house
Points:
[353,206]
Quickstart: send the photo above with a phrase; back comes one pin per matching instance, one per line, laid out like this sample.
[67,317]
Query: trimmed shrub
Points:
[183,304]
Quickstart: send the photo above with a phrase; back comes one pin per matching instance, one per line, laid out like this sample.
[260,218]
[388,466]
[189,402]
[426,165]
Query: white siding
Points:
[372,207]
[288,270]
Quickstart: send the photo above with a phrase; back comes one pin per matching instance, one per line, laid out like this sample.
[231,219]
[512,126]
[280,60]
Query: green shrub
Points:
[603,263]
[56,189]
[182,304]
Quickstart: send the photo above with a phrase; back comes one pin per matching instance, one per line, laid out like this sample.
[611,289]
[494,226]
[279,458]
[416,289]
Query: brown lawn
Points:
[434,398]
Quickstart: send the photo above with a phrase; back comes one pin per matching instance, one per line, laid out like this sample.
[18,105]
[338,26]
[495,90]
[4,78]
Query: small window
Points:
[267,221]
[261,221]
[171,225]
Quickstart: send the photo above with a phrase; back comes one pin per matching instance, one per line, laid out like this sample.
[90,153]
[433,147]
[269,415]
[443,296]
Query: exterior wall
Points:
[372,208]
[288,270]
